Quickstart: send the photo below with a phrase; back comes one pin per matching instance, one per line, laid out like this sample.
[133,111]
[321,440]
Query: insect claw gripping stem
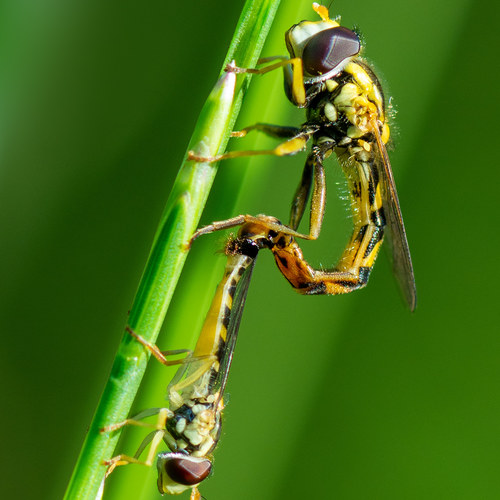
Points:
[239,133]
[232,68]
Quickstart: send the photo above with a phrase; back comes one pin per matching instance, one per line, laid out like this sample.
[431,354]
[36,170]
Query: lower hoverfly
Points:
[345,115]
[191,424]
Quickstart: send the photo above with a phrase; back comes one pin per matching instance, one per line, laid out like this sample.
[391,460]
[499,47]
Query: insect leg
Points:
[265,222]
[279,131]
[161,356]
[289,147]
[313,174]
[135,420]
[297,77]
[155,438]
[301,195]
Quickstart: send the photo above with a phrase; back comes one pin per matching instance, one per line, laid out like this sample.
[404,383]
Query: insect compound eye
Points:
[187,470]
[329,49]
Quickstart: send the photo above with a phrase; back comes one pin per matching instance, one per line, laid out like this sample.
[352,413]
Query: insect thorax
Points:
[195,427]
[344,106]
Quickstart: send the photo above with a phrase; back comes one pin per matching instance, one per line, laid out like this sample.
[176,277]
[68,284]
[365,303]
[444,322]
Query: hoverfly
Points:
[191,425]
[345,115]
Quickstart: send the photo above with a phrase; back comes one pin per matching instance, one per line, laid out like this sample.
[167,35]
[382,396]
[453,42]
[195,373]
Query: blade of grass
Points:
[179,220]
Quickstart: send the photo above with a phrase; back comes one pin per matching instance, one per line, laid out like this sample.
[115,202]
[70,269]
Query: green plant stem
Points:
[179,220]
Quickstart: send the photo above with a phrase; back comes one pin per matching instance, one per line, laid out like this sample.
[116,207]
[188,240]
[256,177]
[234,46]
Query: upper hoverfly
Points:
[346,115]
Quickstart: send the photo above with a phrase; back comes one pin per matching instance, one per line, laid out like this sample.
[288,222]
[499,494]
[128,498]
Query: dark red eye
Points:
[187,471]
[328,49]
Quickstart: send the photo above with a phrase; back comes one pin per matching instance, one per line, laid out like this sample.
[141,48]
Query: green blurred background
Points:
[330,397]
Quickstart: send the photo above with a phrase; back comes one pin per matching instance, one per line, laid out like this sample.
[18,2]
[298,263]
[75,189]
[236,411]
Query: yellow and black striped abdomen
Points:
[362,173]
[196,397]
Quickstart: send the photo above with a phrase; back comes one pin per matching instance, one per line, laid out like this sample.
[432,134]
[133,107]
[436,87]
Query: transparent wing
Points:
[398,243]
[233,326]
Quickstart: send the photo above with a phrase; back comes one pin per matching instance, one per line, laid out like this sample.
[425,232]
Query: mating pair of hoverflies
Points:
[345,114]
